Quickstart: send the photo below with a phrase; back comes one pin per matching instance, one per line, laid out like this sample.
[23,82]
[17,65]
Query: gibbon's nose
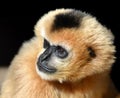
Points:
[43,62]
[46,55]
[45,67]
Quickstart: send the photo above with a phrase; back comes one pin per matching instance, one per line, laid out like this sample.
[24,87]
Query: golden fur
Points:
[118,96]
[85,77]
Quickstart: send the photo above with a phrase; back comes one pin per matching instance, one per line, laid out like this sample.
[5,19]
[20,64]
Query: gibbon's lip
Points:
[46,68]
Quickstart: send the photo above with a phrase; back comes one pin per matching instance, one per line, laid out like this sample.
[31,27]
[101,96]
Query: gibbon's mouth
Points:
[46,68]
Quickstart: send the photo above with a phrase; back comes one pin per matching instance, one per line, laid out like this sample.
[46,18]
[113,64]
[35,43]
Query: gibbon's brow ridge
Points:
[70,19]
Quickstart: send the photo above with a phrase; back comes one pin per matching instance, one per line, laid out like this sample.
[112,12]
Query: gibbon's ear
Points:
[91,52]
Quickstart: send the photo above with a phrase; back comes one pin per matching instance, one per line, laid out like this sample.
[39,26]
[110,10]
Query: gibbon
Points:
[70,56]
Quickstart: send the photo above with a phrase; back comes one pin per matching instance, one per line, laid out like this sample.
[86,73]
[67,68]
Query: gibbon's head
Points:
[75,45]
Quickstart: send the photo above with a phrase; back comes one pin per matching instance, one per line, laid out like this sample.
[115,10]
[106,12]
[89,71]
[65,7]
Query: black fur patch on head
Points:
[70,19]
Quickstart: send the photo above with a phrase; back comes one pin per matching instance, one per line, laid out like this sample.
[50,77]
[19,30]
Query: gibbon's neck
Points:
[84,84]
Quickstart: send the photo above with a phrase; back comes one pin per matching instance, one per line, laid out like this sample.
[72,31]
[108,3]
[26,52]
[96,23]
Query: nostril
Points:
[43,58]
[44,63]
[46,54]
[45,67]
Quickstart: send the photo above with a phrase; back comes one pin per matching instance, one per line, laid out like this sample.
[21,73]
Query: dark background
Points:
[17,20]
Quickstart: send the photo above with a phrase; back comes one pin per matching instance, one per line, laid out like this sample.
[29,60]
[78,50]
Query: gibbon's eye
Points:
[91,52]
[46,44]
[61,52]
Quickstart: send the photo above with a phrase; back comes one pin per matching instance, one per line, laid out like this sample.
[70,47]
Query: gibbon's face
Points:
[75,46]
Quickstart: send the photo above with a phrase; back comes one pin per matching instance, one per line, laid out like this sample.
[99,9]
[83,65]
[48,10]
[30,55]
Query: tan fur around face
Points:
[81,76]
[89,34]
